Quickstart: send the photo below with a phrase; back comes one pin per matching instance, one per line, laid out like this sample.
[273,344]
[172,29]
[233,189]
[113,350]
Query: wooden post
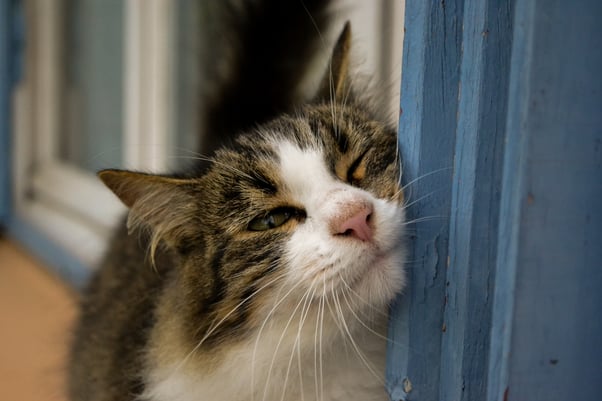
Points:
[501,136]
[546,334]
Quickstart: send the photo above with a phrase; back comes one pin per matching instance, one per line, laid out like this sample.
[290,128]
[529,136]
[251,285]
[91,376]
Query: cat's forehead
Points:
[302,167]
[312,143]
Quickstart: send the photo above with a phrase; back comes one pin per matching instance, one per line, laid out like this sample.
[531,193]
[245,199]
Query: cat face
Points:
[314,199]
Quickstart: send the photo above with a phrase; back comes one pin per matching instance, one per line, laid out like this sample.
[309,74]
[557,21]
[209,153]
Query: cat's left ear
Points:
[335,79]
[163,205]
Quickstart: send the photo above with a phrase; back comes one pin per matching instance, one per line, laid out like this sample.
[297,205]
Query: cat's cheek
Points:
[383,280]
[308,255]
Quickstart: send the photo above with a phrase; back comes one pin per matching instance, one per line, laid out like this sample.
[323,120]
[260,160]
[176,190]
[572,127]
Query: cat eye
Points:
[357,170]
[274,218]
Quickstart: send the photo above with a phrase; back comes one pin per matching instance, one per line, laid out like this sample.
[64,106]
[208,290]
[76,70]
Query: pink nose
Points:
[355,221]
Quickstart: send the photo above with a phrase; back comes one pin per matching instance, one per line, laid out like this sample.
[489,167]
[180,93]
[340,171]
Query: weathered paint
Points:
[547,327]
[475,196]
[430,83]
[521,206]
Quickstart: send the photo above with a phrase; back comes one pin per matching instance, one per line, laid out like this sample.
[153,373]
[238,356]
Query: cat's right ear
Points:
[164,205]
[335,79]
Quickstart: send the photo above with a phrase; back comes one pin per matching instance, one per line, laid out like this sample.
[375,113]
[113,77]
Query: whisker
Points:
[358,351]
[334,313]
[359,297]
[337,318]
[316,384]
[439,170]
[408,204]
[267,318]
[301,324]
[330,75]
[360,321]
[306,297]
[323,299]
[212,329]
[410,195]
[267,382]
[415,261]
[315,24]
[422,219]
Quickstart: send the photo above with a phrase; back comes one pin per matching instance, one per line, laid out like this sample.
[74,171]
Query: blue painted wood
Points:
[475,195]
[74,272]
[503,306]
[546,333]
[5,85]
[12,39]
[535,124]
[523,203]
[430,82]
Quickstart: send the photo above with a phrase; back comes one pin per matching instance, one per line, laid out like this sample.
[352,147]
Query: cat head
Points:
[308,205]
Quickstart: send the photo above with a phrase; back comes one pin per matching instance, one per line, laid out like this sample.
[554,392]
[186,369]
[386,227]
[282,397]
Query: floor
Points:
[36,313]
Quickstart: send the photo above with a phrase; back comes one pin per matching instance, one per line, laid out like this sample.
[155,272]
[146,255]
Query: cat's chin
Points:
[380,279]
[371,281]
[367,273]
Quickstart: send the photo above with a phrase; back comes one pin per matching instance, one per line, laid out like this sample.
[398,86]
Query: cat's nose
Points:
[354,221]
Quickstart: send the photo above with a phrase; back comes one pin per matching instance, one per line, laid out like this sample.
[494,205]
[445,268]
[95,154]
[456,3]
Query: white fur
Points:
[323,333]
[313,252]
[335,374]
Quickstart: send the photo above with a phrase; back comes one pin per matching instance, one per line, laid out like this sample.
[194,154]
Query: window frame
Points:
[51,198]
[9,56]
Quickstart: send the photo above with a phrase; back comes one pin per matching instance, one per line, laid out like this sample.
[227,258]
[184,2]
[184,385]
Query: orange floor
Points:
[36,313]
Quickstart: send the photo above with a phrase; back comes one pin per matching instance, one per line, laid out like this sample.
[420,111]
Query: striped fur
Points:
[221,311]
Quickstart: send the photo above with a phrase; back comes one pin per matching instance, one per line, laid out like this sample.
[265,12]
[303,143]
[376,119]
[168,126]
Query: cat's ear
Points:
[132,187]
[163,205]
[335,78]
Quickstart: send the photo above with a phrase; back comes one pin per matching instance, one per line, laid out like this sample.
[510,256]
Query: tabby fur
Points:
[192,304]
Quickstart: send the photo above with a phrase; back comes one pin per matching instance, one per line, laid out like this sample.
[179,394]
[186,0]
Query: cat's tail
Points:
[255,56]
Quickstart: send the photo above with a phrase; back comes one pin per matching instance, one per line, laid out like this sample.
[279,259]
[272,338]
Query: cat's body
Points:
[269,273]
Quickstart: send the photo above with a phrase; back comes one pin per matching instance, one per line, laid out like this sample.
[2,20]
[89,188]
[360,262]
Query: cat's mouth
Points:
[353,274]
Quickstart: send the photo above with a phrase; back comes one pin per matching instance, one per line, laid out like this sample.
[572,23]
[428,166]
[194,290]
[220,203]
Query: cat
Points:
[265,274]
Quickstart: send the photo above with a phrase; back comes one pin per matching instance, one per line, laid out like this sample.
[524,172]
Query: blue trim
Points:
[12,37]
[430,82]
[410,123]
[546,341]
[474,220]
[511,308]
[513,186]
[60,261]
[6,56]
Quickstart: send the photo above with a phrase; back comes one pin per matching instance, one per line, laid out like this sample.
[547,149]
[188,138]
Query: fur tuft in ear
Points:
[335,79]
[162,205]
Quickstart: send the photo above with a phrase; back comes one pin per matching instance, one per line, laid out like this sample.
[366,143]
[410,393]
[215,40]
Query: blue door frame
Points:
[7,78]
[501,135]
[12,46]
